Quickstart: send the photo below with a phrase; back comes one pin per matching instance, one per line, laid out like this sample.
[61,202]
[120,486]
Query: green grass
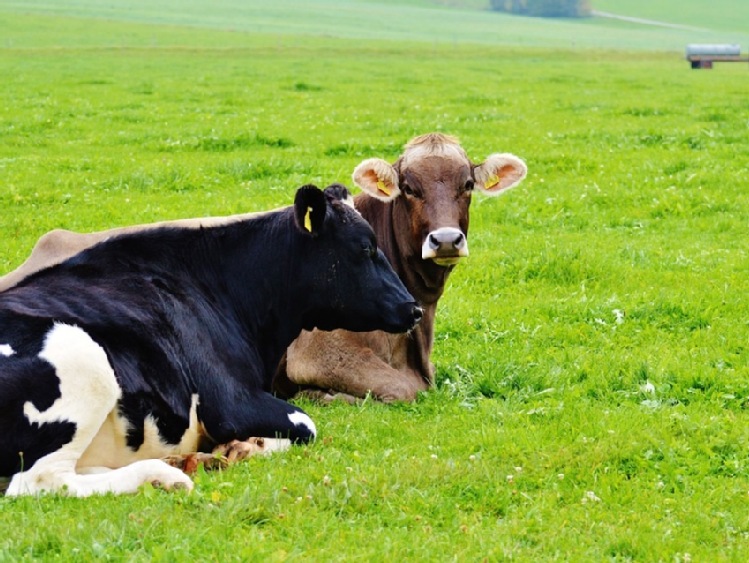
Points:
[722,15]
[393,22]
[620,262]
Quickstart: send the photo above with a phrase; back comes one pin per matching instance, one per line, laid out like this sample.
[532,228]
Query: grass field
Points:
[721,15]
[393,22]
[593,377]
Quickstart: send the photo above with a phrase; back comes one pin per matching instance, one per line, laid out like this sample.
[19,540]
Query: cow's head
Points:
[431,186]
[347,283]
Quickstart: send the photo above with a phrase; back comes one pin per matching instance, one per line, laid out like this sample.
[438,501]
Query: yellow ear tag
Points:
[491,182]
[383,188]
[308,220]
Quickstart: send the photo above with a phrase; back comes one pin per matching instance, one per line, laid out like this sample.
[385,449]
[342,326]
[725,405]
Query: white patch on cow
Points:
[88,395]
[446,246]
[155,447]
[109,448]
[84,372]
[195,431]
[301,419]
[6,350]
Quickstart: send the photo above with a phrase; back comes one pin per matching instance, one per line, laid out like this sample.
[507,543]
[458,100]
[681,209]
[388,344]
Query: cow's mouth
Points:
[446,260]
[445,246]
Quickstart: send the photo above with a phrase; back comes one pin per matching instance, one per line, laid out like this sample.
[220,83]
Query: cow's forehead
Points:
[435,168]
[425,154]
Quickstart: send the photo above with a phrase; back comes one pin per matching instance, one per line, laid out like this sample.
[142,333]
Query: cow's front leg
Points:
[325,396]
[253,415]
[344,365]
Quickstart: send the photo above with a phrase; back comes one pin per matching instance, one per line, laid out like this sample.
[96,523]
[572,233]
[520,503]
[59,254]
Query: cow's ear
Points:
[499,173]
[378,178]
[339,192]
[310,206]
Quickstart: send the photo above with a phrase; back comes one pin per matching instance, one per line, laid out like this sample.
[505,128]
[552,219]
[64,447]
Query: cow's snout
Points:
[417,313]
[445,246]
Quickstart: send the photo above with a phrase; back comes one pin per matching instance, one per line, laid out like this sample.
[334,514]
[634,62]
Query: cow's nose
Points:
[450,238]
[446,243]
[417,313]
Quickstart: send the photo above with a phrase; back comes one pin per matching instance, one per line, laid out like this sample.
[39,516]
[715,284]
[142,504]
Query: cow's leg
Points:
[242,449]
[88,393]
[373,377]
[285,388]
[224,455]
[261,415]
[264,423]
[339,365]
[325,396]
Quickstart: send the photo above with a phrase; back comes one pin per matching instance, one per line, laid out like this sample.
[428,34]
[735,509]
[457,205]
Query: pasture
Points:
[592,355]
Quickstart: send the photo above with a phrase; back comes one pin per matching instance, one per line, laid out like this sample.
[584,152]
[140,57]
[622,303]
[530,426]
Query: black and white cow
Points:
[165,341]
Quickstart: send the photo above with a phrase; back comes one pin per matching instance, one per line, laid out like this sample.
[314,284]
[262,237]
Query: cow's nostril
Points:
[417,313]
[434,243]
[459,241]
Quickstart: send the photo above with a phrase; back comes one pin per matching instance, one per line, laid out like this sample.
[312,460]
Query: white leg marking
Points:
[271,445]
[6,350]
[191,438]
[301,419]
[89,393]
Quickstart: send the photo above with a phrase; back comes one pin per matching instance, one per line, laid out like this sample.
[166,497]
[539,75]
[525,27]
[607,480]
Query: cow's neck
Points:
[423,338]
[269,312]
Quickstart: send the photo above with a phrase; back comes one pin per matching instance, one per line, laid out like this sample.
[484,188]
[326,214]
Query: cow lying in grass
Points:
[165,341]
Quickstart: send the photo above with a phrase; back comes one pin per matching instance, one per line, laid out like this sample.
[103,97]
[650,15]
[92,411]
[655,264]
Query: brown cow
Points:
[423,233]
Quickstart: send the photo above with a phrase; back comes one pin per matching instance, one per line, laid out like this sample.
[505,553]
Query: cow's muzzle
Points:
[445,246]
[417,314]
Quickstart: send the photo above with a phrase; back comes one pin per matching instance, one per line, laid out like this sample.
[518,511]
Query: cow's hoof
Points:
[162,476]
[189,463]
[171,486]
[237,450]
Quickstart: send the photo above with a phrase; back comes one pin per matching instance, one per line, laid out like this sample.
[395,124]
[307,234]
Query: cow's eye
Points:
[469,186]
[369,249]
[408,190]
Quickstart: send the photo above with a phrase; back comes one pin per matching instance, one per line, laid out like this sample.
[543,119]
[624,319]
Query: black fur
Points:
[207,311]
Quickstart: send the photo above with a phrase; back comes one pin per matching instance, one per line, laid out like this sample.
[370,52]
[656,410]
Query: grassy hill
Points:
[420,20]
[731,16]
